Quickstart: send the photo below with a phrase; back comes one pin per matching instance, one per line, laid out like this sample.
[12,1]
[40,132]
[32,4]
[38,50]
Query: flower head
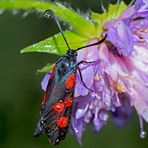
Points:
[118,76]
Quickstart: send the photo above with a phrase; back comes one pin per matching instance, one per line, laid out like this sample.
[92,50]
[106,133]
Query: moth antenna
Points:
[99,42]
[48,14]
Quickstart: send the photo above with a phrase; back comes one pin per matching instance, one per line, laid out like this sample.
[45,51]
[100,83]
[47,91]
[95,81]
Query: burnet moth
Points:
[57,104]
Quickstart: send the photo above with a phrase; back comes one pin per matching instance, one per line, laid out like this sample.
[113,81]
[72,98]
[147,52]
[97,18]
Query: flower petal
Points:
[45,80]
[87,76]
[141,7]
[77,128]
[86,55]
[81,112]
[123,112]
[121,37]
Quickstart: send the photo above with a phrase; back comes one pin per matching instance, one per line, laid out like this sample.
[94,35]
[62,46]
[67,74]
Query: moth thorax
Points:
[71,54]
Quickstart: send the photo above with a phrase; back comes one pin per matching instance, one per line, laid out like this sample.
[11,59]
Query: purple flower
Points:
[119,78]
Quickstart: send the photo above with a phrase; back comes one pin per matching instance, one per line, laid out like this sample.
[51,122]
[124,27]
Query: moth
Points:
[57,105]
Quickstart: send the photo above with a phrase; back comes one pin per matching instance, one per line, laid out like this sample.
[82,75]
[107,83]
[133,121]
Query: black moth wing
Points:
[55,133]
[56,91]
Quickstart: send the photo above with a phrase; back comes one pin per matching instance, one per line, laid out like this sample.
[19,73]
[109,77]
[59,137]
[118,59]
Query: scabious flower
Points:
[119,75]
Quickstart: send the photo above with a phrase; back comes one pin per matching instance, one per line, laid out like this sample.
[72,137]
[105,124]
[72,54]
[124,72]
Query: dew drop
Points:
[1,11]
[101,88]
[112,108]
[14,12]
[76,130]
[47,46]
[105,117]
[142,22]
[25,14]
[142,134]
[87,18]
[57,140]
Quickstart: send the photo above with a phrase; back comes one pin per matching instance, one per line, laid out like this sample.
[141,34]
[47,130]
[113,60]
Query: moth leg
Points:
[86,62]
[83,81]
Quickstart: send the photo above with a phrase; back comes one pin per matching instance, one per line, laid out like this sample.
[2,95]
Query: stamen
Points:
[96,77]
[120,87]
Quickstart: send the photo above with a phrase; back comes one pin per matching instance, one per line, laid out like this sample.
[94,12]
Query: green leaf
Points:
[46,68]
[113,12]
[24,5]
[56,44]
[80,25]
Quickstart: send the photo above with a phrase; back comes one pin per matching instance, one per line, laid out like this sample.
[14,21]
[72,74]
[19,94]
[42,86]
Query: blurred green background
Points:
[21,95]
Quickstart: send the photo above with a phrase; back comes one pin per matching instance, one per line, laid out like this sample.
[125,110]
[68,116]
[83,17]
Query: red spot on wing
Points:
[53,70]
[68,102]
[62,122]
[70,82]
[59,107]
[44,99]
